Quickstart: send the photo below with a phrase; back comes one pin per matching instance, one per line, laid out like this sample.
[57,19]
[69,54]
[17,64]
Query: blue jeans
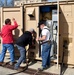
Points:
[10,48]
[46,48]
[22,51]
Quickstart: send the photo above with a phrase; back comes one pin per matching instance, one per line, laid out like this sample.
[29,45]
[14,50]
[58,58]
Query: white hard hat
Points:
[31,29]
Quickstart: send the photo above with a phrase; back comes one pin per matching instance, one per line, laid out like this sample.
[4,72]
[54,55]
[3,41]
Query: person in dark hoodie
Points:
[23,41]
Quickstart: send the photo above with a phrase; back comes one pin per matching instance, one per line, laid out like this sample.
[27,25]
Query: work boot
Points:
[48,66]
[19,69]
[12,63]
[10,66]
[24,62]
[41,69]
[4,64]
[1,63]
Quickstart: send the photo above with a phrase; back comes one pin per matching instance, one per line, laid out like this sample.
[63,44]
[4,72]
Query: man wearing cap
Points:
[46,46]
[23,41]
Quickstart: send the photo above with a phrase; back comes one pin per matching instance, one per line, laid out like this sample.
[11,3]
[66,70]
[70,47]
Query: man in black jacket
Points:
[23,41]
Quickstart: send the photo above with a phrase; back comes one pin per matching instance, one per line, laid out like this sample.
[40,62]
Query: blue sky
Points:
[11,0]
[7,0]
[8,3]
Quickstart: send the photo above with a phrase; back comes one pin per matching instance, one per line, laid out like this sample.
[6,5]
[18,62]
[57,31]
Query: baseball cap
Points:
[41,22]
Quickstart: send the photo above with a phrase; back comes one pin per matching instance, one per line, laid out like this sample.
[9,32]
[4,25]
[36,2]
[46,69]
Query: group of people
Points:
[22,41]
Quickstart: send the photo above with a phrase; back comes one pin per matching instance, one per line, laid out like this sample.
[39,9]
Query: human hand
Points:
[13,19]
[37,39]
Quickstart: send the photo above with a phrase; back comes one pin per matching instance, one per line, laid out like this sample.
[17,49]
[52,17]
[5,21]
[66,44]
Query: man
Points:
[23,41]
[46,46]
[7,40]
